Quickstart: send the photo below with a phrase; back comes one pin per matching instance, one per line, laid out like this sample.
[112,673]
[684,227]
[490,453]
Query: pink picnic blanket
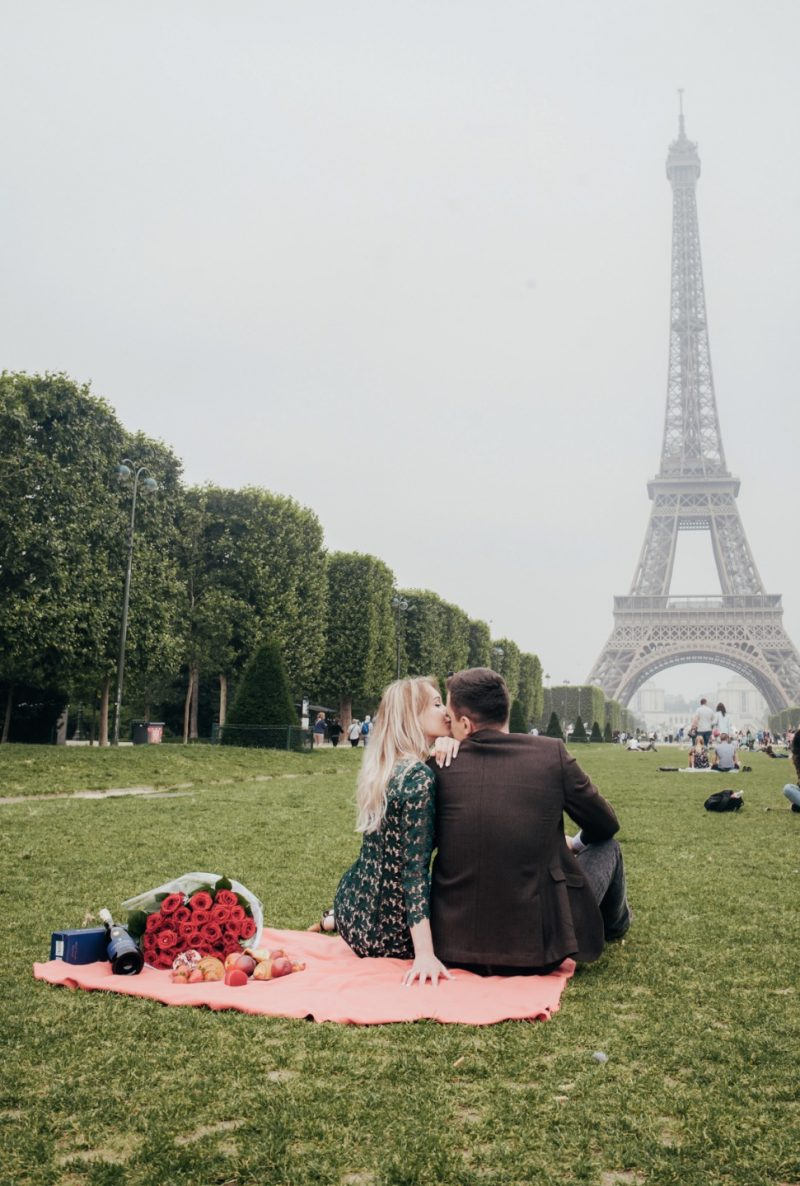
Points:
[338,986]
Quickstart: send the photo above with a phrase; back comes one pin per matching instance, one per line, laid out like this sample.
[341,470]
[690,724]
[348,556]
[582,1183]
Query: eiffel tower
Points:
[741,629]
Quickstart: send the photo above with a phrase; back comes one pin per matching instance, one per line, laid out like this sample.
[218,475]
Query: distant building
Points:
[666,712]
[746,707]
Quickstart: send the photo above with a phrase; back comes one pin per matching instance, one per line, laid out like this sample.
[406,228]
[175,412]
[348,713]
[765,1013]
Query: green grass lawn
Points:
[46,770]
[697,1011]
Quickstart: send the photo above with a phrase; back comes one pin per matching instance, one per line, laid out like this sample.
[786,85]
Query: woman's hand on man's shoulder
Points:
[445,749]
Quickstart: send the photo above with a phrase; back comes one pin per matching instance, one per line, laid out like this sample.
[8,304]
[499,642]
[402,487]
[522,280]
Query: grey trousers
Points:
[604,871]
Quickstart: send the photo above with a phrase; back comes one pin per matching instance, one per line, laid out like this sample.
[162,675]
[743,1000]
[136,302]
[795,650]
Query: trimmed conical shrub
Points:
[554,727]
[596,735]
[607,733]
[579,732]
[517,722]
[262,710]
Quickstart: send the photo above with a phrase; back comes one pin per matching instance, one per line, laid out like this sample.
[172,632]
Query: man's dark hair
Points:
[480,694]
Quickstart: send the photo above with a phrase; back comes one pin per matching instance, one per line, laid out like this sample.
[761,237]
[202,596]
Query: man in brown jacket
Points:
[510,893]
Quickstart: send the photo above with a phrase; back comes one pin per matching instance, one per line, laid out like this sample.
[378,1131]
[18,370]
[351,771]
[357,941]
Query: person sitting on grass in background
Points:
[792,790]
[382,905]
[698,754]
[724,755]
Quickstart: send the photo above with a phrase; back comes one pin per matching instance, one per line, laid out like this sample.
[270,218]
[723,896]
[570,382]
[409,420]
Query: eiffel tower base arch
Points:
[744,634]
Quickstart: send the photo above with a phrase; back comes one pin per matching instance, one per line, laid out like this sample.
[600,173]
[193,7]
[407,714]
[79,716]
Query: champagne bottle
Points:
[123,951]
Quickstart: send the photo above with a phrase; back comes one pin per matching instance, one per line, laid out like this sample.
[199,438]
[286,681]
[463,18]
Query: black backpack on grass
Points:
[724,801]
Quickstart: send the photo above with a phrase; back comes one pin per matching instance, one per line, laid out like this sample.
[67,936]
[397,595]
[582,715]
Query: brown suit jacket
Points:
[506,889]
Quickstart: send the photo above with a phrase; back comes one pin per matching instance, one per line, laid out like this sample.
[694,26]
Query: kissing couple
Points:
[509,892]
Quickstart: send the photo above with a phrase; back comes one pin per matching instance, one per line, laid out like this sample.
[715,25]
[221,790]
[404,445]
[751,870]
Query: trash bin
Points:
[147,732]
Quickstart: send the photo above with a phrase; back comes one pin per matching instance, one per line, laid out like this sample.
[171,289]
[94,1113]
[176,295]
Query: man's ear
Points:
[468,725]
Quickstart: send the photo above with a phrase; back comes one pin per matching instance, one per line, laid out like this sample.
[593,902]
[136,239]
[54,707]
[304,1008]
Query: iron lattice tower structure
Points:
[693,491]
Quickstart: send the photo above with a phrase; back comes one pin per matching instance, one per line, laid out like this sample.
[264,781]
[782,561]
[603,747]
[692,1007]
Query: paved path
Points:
[173,792]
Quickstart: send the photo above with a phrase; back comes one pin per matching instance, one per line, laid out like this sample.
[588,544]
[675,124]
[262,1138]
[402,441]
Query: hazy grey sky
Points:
[409,263]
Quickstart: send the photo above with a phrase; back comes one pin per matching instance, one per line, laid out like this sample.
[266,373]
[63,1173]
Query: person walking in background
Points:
[354,732]
[319,729]
[366,729]
[792,790]
[335,731]
[703,721]
[723,723]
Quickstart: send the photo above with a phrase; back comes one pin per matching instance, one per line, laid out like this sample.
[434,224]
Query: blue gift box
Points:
[79,947]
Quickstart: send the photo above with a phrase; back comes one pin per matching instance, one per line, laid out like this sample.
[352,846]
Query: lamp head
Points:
[123,473]
[150,485]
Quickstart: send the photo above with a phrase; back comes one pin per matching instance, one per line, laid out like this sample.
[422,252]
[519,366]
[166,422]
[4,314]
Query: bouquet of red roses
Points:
[196,912]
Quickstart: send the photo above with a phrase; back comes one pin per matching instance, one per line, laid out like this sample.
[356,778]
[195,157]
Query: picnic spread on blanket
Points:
[200,940]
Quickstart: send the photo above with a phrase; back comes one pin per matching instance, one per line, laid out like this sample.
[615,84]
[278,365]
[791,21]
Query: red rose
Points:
[226,898]
[182,914]
[200,917]
[247,929]
[154,921]
[164,961]
[195,939]
[211,932]
[238,913]
[186,928]
[171,903]
[200,901]
[220,913]
[231,930]
[167,939]
[231,946]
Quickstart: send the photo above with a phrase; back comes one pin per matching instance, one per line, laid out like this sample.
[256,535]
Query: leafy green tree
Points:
[554,727]
[263,706]
[607,732]
[257,562]
[596,735]
[220,628]
[529,690]
[579,731]
[479,653]
[506,658]
[63,542]
[613,715]
[360,650]
[435,638]
[517,722]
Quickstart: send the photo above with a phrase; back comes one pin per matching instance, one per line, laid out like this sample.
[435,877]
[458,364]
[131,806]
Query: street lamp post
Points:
[401,607]
[124,471]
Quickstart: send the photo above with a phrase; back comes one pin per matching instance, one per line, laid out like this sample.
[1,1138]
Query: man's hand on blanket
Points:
[424,966]
[444,750]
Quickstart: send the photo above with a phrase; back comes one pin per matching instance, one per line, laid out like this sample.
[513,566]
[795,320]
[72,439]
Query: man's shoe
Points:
[795,807]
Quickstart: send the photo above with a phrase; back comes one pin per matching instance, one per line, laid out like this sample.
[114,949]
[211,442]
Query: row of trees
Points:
[216,572]
[787,718]
[586,703]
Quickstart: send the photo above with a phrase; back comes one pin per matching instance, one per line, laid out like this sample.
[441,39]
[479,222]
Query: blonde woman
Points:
[382,905]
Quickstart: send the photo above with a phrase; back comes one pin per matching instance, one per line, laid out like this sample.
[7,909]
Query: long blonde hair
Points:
[397,736]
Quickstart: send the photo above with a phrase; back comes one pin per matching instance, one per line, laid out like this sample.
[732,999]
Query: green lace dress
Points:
[387,890]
